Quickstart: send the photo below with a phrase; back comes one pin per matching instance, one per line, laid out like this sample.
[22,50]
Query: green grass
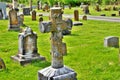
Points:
[85,51]
[92,11]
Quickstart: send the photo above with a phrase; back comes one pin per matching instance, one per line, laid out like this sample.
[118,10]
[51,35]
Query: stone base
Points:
[50,73]
[25,61]
[14,28]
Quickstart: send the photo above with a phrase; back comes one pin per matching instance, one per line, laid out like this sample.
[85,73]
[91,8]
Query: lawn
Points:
[92,11]
[85,51]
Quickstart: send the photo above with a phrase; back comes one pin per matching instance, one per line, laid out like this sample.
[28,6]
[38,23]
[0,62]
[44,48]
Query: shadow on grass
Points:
[72,35]
[41,64]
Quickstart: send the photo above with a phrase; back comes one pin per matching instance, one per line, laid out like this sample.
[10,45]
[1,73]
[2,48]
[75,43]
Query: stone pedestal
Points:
[13,21]
[63,73]
[76,15]
[27,47]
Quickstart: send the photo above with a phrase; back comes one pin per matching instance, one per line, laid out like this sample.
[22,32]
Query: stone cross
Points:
[56,26]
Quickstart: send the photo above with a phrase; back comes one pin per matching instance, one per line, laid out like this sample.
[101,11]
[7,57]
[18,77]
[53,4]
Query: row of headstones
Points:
[28,46]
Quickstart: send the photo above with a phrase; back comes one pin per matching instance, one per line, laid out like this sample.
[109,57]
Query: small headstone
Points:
[33,15]
[26,11]
[76,15]
[40,19]
[2,64]
[27,47]
[102,15]
[69,6]
[84,17]
[57,70]
[13,21]
[111,41]
[40,14]
[97,7]
[113,14]
[115,8]
[86,9]
[107,8]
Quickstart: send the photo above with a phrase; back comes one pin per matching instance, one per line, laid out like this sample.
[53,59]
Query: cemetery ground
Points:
[86,53]
[93,12]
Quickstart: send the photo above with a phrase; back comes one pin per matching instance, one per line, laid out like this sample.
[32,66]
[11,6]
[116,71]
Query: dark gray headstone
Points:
[26,11]
[111,41]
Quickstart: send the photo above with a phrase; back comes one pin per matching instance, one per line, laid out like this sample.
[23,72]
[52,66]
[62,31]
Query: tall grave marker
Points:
[57,70]
[33,15]
[13,20]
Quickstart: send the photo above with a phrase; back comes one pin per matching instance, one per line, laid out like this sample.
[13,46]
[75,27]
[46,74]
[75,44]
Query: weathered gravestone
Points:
[113,14]
[111,41]
[3,13]
[57,70]
[27,47]
[26,11]
[2,64]
[84,17]
[13,21]
[68,31]
[86,9]
[21,19]
[97,7]
[33,15]
[76,15]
